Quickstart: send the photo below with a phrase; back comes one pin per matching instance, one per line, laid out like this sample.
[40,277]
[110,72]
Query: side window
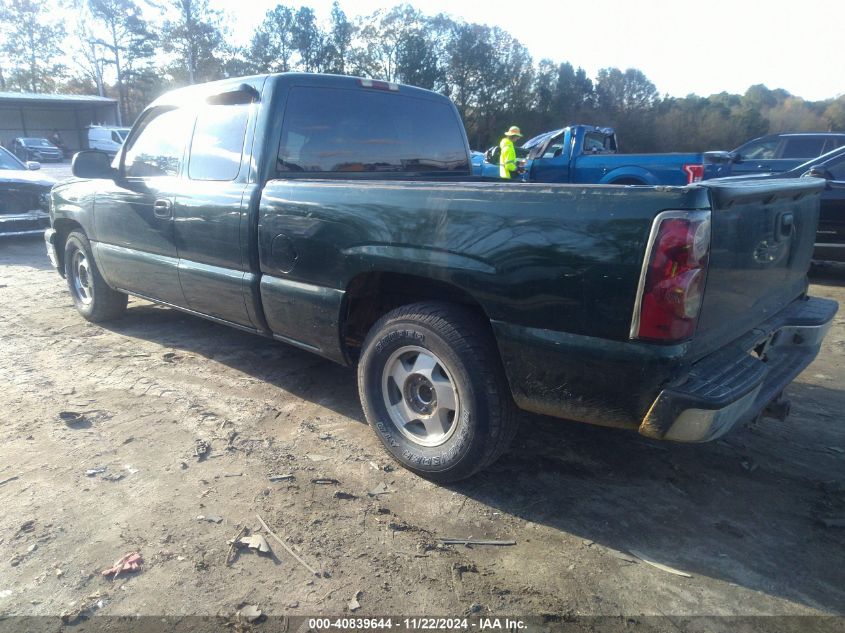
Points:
[762,150]
[115,137]
[597,142]
[218,142]
[803,147]
[349,130]
[555,147]
[160,145]
[832,143]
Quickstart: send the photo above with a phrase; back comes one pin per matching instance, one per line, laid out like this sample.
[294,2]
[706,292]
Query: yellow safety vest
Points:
[507,158]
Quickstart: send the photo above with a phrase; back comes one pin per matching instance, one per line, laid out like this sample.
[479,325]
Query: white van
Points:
[107,139]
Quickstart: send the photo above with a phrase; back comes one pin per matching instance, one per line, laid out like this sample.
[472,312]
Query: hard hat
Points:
[513,131]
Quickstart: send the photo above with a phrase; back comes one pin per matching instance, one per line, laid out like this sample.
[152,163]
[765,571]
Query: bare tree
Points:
[196,37]
[124,34]
[272,45]
[31,42]
[90,59]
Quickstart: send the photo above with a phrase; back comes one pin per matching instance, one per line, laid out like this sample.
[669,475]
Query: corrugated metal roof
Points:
[52,98]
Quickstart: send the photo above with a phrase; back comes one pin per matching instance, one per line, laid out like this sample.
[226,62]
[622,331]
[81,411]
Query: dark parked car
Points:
[348,223]
[775,153]
[24,197]
[830,236]
[40,149]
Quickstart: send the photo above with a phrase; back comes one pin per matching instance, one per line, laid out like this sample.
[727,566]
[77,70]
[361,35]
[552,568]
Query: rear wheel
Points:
[433,390]
[92,296]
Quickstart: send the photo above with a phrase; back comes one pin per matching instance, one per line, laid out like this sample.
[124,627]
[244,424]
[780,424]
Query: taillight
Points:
[375,84]
[672,280]
[695,173]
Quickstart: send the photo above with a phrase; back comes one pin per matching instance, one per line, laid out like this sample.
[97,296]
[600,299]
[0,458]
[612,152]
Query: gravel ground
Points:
[747,518]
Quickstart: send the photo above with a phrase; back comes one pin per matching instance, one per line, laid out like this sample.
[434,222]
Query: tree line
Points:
[133,50]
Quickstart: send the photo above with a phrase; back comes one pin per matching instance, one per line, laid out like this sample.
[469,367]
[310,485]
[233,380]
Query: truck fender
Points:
[628,175]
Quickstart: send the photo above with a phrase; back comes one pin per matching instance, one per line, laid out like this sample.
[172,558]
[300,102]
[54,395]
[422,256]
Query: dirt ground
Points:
[751,518]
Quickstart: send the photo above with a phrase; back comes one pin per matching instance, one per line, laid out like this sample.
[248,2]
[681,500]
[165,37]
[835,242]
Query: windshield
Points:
[122,133]
[540,139]
[36,142]
[7,161]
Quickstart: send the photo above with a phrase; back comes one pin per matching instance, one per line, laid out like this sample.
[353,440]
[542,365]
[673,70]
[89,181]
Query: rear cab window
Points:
[348,131]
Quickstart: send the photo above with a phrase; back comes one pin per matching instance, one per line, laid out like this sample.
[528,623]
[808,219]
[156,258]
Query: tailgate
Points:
[762,243]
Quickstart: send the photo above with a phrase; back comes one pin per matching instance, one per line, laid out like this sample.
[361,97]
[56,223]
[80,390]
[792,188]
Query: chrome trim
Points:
[652,237]
[800,335]
[49,236]
[704,425]
[19,233]
[25,216]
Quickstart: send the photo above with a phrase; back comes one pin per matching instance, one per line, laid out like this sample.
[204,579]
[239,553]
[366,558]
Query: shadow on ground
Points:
[747,509]
[24,250]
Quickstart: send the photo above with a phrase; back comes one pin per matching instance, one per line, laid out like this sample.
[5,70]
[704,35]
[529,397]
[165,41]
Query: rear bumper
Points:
[833,252]
[736,383]
[654,388]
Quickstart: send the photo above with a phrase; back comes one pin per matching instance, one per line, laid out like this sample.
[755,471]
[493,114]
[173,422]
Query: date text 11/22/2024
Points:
[417,624]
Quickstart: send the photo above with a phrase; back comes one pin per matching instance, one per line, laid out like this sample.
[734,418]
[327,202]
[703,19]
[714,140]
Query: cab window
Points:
[803,147]
[158,148]
[342,130]
[596,142]
[760,150]
[555,147]
[218,142]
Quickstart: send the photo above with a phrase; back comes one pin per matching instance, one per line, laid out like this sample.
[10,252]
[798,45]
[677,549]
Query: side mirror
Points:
[32,165]
[92,164]
[735,158]
[819,172]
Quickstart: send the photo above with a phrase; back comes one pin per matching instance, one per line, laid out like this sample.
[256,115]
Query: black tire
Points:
[92,296]
[484,419]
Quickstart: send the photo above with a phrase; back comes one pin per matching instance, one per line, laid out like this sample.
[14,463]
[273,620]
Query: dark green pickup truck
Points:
[339,215]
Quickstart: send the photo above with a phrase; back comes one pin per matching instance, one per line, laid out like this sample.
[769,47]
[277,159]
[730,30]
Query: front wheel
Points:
[92,296]
[433,390]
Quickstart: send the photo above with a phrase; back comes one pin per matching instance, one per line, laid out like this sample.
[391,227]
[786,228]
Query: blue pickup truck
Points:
[585,154]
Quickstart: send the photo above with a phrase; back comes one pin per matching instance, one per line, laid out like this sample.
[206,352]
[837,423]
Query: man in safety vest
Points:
[507,153]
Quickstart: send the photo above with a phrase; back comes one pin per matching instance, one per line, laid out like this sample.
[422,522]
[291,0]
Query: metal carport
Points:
[30,114]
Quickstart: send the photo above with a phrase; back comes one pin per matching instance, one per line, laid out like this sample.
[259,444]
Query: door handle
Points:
[162,208]
[786,223]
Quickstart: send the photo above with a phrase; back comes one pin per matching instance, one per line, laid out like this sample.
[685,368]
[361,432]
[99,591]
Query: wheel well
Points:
[372,295]
[63,228]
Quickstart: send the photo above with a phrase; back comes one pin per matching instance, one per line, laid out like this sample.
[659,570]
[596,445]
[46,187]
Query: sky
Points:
[701,47]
